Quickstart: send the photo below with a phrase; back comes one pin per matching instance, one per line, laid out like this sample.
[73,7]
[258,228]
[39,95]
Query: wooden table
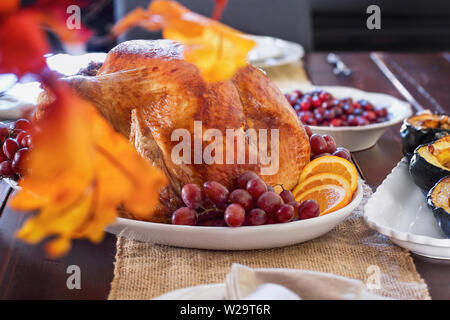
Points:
[25,273]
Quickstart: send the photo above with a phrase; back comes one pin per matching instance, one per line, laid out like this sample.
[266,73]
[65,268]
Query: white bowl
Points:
[398,210]
[241,238]
[363,137]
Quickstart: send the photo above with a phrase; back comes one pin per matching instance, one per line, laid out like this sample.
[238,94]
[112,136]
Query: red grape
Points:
[18,163]
[242,197]
[256,187]
[331,144]
[192,195]
[234,215]
[217,193]
[318,144]
[308,209]
[211,219]
[10,147]
[296,205]
[26,141]
[22,124]
[184,216]
[20,136]
[343,153]
[6,169]
[4,132]
[308,131]
[269,201]
[244,178]
[320,155]
[287,196]
[256,217]
[285,213]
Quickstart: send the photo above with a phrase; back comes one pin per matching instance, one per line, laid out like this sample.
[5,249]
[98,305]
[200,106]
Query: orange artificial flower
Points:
[217,50]
[81,171]
[23,42]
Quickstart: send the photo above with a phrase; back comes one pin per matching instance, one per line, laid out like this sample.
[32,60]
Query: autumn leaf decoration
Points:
[216,49]
[79,169]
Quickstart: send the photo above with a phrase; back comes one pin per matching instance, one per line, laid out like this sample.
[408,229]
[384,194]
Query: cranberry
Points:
[291,99]
[362,121]
[337,103]
[336,123]
[305,116]
[318,116]
[305,105]
[337,111]
[329,114]
[298,93]
[381,113]
[348,108]
[316,101]
[326,105]
[358,112]
[320,110]
[312,122]
[370,115]
[325,95]
[357,105]
[352,120]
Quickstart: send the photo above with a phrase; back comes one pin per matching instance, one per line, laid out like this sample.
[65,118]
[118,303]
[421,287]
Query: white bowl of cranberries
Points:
[356,119]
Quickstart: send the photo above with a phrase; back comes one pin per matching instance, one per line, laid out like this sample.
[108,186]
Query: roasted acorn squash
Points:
[423,128]
[430,163]
[438,200]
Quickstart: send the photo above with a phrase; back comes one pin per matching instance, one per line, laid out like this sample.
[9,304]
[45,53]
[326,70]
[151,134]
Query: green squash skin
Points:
[412,137]
[424,174]
[442,217]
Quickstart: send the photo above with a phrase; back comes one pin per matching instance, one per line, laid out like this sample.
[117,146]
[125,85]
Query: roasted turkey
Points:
[146,90]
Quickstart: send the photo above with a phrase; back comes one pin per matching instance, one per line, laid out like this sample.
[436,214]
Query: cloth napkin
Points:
[290,284]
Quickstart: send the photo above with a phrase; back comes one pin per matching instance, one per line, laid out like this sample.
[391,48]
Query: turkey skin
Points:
[147,91]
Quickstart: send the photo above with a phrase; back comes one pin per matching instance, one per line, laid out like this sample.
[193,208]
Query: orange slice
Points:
[330,197]
[332,164]
[321,179]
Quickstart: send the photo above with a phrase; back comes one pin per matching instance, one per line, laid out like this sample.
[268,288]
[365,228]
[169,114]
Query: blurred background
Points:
[319,25]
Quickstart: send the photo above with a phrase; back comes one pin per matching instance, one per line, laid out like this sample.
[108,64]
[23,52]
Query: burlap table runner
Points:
[145,270]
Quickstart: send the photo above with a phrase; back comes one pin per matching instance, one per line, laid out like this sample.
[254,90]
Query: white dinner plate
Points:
[272,52]
[398,210]
[362,137]
[241,238]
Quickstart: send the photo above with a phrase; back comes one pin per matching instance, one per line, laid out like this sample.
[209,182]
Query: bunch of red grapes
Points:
[320,108]
[325,146]
[15,145]
[252,203]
